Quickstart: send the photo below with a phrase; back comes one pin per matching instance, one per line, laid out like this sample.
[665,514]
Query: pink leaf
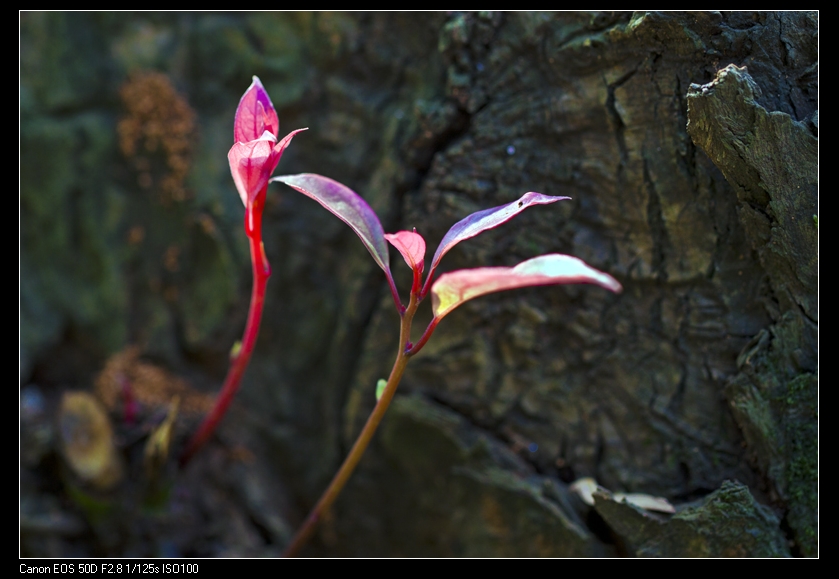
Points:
[348,206]
[487,219]
[252,162]
[255,115]
[412,247]
[454,288]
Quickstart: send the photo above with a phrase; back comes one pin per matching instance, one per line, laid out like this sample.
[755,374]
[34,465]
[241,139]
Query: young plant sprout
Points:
[447,293]
[253,158]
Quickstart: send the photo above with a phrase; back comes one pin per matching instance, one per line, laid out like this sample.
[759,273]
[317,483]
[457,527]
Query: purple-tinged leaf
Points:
[349,207]
[255,115]
[252,163]
[487,219]
[454,288]
[412,247]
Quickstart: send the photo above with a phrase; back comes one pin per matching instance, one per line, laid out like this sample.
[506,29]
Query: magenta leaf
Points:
[454,288]
[255,152]
[252,162]
[349,207]
[487,219]
[255,115]
[412,247]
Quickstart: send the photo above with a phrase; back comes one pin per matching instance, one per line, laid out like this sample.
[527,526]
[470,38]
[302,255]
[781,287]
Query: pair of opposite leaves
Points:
[257,152]
[457,287]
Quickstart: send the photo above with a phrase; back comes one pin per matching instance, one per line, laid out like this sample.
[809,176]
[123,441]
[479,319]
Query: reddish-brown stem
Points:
[343,474]
[261,273]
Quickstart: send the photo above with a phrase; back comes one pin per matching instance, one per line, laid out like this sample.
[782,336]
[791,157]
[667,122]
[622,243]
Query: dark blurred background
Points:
[698,384]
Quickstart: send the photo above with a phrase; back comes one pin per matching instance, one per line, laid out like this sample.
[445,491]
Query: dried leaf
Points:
[587,486]
[87,440]
[646,502]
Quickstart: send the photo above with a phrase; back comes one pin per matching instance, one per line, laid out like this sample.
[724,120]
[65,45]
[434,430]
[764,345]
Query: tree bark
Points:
[688,144]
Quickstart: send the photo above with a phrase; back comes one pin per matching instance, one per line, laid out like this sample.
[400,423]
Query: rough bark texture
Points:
[693,182]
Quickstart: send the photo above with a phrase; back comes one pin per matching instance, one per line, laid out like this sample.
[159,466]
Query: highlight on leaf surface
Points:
[454,288]
[411,245]
[480,221]
[348,206]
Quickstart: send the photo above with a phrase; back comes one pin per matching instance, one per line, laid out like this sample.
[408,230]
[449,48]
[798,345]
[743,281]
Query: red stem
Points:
[261,273]
[417,285]
[424,338]
[427,285]
[395,293]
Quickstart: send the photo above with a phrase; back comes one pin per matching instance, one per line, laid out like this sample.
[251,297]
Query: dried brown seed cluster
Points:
[157,134]
[151,386]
